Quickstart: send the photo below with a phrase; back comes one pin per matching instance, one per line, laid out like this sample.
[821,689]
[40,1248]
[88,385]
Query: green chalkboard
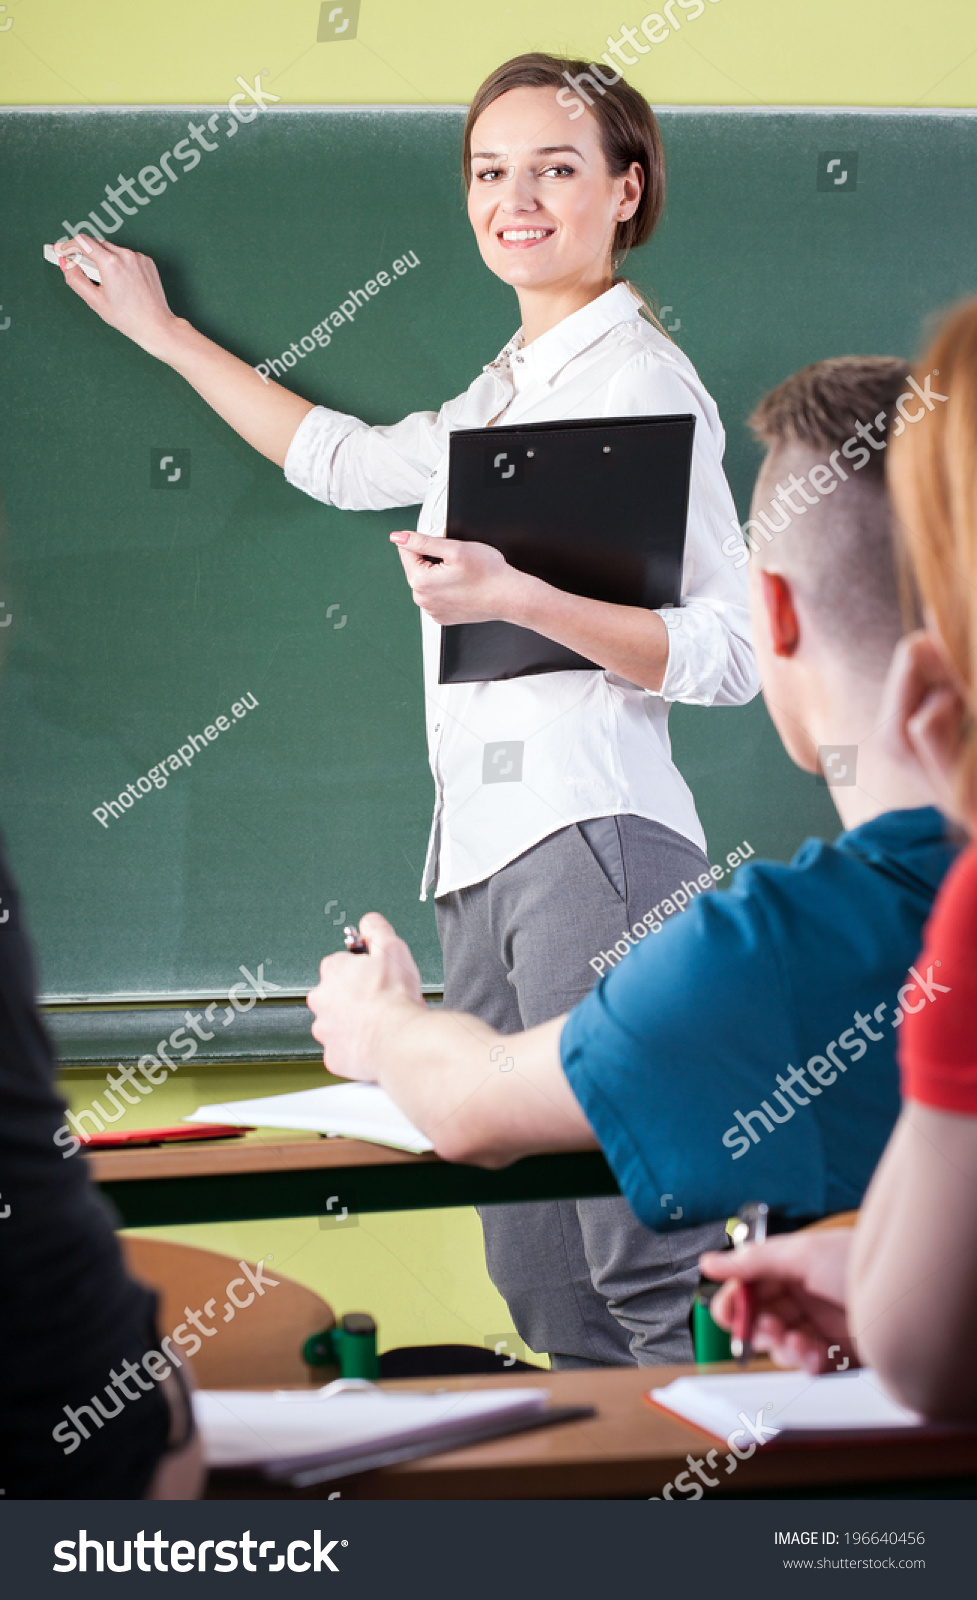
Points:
[141,609]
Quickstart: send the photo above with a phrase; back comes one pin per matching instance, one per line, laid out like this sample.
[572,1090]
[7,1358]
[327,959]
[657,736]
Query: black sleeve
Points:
[69,1314]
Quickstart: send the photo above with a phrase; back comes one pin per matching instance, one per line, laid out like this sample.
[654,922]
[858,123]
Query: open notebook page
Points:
[785,1402]
[357,1110]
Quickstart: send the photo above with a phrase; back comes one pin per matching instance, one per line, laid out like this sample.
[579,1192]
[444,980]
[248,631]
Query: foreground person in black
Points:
[70,1316]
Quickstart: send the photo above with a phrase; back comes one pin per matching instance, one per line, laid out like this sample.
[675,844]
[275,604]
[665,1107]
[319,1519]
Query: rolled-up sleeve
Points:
[346,463]
[710,655]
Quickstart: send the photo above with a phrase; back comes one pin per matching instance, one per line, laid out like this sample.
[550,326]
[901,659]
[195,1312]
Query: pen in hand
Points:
[354,943]
[751,1228]
[741,1331]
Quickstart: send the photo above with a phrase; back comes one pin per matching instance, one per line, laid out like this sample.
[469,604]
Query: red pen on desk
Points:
[354,943]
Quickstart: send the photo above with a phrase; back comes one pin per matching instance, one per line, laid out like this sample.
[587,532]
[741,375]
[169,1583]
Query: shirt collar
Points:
[914,842]
[548,354]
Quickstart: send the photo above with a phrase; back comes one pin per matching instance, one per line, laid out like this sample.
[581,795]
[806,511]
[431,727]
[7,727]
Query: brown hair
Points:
[820,405]
[845,557]
[626,123]
[933,477]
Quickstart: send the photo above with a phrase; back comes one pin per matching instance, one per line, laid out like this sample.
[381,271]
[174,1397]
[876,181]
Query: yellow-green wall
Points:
[742,52]
[421,1274]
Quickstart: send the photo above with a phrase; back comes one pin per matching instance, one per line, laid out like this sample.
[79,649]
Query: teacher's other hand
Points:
[454,580]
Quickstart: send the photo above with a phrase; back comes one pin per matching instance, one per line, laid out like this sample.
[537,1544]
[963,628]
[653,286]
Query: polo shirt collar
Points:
[551,352]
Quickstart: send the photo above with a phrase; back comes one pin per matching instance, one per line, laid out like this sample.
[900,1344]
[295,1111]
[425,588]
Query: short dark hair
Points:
[845,560]
[821,404]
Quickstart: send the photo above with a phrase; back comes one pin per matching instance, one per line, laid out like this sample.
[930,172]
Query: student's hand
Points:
[130,296]
[924,714]
[457,581]
[352,992]
[798,1282]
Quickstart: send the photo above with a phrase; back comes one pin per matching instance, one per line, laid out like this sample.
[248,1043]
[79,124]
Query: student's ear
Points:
[778,604]
[924,716]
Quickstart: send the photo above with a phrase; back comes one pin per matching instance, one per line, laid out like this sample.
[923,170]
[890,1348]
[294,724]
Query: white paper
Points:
[357,1110]
[786,1401]
[247,1429]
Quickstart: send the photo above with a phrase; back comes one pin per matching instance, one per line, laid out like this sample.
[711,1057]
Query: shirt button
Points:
[437,727]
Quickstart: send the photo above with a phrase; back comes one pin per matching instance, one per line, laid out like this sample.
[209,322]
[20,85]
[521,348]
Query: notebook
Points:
[595,507]
[788,1404]
[356,1110]
[352,1426]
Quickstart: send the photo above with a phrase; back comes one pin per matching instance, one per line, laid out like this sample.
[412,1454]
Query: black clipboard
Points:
[596,507]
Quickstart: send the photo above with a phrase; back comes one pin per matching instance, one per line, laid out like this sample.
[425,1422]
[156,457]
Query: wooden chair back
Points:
[254,1343]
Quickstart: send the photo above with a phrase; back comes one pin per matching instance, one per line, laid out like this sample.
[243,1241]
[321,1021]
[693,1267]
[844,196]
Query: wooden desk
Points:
[629,1449]
[273,1174]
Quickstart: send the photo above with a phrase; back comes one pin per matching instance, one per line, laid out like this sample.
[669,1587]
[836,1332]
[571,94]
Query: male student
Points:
[747,1050]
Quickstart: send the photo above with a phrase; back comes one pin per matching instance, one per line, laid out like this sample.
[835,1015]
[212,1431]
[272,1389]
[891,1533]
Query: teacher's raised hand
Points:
[130,296]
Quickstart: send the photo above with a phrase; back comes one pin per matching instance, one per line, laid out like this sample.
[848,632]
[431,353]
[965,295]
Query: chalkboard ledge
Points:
[271,1031]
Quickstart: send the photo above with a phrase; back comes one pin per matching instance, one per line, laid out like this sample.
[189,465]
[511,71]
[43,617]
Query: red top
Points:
[938,1054]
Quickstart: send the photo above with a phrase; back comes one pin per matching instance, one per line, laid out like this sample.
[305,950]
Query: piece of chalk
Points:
[76,257]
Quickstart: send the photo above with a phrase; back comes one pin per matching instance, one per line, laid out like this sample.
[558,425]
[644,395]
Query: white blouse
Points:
[515,761]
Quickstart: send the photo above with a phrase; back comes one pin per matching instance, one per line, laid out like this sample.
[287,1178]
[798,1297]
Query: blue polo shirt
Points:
[748,1050]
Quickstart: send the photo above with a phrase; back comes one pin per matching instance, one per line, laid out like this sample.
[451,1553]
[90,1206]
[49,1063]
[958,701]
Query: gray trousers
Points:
[583,1279]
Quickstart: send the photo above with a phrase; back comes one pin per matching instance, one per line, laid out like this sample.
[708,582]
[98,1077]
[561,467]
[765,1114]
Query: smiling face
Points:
[542,202]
